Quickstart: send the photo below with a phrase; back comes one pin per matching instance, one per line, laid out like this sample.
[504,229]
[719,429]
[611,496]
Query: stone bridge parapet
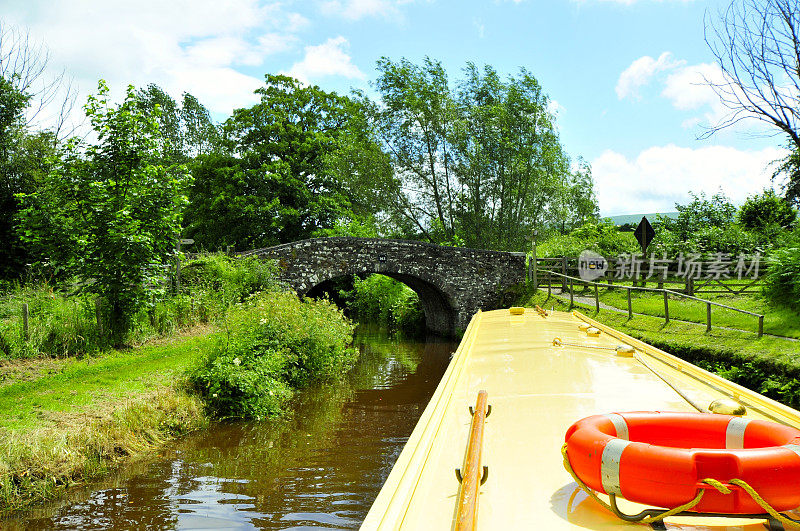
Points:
[452,282]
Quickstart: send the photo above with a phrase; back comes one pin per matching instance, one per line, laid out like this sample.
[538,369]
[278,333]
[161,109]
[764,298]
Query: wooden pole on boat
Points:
[471,479]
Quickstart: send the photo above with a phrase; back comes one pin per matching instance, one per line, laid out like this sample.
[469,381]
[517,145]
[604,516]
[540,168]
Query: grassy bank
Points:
[778,319]
[71,421]
[770,365]
[63,319]
[233,345]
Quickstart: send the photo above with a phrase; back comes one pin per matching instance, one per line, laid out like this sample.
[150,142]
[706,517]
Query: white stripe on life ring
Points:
[734,433]
[793,447]
[620,425]
[609,465]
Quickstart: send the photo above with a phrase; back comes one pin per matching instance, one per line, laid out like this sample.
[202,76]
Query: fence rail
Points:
[686,284]
[667,292]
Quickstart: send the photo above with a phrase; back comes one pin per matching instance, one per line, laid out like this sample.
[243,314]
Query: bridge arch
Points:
[452,282]
[438,307]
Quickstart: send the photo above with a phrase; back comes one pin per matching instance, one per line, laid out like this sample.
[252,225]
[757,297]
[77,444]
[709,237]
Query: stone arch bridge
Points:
[452,282]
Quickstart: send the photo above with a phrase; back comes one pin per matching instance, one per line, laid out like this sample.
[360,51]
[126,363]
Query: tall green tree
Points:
[110,210]
[514,170]
[296,162]
[13,103]
[481,165]
[417,121]
[186,130]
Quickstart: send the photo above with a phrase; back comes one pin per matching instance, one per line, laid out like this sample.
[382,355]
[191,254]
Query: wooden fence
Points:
[571,281]
[667,276]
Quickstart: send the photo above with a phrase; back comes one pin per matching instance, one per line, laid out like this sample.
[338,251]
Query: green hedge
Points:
[275,343]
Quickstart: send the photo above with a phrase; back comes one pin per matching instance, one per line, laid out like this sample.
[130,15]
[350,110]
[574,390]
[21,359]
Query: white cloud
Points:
[479,26]
[327,59]
[661,176]
[685,86]
[358,9]
[554,107]
[641,71]
[181,45]
[687,89]
[624,2]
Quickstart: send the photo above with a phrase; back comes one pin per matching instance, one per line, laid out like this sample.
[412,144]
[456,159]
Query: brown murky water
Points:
[320,469]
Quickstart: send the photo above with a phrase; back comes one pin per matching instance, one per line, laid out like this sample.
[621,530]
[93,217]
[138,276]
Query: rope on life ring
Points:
[691,503]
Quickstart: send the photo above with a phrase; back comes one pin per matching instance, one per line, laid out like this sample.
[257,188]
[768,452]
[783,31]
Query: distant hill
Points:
[636,218]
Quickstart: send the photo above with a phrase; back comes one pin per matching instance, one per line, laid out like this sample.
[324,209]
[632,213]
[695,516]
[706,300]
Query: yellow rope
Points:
[763,503]
[691,503]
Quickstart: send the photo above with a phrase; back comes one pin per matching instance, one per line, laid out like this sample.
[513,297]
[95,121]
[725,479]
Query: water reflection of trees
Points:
[322,465]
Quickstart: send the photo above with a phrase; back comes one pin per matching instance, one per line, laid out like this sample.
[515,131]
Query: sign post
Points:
[644,234]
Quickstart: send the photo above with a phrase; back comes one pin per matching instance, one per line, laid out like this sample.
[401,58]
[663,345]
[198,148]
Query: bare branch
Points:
[755,43]
[24,64]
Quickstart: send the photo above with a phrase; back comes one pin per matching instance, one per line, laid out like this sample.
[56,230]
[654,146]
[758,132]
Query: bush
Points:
[63,324]
[276,343]
[764,211]
[782,280]
[230,279]
[385,301]
[601,237]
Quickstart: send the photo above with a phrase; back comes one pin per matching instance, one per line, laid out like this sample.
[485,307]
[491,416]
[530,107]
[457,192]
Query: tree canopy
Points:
[109,211]
[299,161]
[478,164]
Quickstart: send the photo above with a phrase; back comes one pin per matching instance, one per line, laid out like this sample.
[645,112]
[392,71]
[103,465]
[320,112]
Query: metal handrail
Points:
[471,479]
[707,302]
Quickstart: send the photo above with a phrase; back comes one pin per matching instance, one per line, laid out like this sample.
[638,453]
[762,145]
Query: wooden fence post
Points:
[596,299]
[630,311]
[549,284]
[571,293]
[708,317]
[564,272]
[760,326]
[666,308]
[25,315]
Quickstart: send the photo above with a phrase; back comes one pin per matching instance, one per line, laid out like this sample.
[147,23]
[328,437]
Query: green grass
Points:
[740,344]
[77,419]
[770,365]
[76,385]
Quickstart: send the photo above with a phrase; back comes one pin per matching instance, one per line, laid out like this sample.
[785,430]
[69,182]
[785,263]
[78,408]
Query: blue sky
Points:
[625,76]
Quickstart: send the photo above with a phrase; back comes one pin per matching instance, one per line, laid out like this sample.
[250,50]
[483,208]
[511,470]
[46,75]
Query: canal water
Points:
[319,469]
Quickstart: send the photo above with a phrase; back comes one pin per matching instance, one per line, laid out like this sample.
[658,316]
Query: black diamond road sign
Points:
[644,233]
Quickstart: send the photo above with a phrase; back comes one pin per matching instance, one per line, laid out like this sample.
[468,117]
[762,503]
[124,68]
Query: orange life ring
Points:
[660,459]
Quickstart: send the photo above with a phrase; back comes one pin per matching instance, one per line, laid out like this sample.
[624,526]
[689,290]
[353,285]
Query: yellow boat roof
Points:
[537,390]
